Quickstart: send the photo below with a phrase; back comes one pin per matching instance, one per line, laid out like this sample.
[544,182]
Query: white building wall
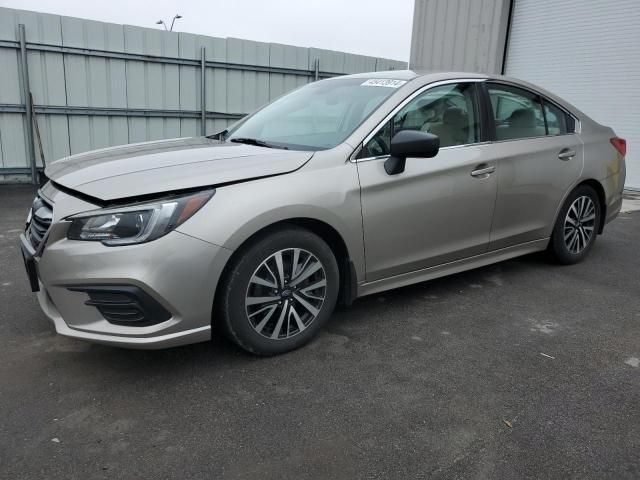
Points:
[587,52]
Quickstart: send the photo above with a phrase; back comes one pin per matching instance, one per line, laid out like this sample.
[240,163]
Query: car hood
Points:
[168,165]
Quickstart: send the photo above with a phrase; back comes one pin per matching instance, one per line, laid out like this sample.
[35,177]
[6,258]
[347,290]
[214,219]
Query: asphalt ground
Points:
[524,369]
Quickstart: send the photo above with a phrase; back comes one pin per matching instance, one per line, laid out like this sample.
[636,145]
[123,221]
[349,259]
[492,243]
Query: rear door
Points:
[539,158]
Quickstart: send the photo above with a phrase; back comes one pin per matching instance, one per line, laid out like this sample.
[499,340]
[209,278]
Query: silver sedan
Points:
[342,188]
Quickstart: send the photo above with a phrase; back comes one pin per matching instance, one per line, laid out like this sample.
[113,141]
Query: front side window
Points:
[318,116]
[517,113]
[448,111]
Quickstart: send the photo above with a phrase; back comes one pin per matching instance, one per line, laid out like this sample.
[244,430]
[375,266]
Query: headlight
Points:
[137,223]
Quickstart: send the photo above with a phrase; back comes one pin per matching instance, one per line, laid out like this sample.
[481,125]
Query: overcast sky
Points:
[380,28]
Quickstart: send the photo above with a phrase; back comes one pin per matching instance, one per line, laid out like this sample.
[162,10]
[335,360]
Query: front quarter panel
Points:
[325,189]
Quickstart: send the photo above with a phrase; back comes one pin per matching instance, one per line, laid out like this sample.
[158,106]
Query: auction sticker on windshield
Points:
[383,82]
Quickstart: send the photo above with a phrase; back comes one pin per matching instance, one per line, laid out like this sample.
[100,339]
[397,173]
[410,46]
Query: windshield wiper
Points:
[256,142]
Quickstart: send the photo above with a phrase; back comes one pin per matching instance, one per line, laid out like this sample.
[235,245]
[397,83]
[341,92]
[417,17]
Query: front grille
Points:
[41,215]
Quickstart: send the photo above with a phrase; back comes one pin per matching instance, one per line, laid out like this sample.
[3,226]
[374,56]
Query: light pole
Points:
[170,29]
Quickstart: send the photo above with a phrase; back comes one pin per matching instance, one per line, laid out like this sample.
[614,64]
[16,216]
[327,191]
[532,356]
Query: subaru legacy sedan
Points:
[342,188]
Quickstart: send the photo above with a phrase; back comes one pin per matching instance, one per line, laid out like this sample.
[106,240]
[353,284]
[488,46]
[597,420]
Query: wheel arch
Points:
[329,234]
[599,189]
[597,186]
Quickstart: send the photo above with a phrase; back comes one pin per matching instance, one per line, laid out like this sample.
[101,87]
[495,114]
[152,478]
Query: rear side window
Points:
[517,113]
[558,121]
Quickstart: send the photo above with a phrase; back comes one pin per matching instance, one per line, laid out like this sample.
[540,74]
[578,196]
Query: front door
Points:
[439,209]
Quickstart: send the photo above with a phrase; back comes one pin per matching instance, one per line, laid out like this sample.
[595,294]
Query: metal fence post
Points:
[26,96]
[203,91]
[317,69]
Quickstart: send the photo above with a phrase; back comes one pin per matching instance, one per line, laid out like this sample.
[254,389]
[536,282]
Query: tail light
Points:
[620,144]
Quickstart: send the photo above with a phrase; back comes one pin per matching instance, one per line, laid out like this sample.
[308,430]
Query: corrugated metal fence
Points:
[97,84]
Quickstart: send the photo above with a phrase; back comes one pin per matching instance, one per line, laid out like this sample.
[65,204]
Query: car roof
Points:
[424,77]
[414,74]
[428,76]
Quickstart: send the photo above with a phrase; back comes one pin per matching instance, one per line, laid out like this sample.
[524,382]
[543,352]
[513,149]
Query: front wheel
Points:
[576,227]
[279,291]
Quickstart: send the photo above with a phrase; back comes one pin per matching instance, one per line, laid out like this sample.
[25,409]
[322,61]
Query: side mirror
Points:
[410,143]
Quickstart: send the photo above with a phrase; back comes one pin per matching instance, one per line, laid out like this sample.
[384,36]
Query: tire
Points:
[577,226]
[254,295]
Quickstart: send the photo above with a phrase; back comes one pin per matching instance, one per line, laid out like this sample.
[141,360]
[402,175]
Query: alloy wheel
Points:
[285,293]
[579,224]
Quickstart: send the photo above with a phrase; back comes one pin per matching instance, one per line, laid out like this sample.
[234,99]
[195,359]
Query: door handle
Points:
[483,171]
[566,154]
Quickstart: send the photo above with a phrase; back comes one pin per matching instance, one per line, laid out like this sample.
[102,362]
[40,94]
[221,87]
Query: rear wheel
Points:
[577,225]
[279,292]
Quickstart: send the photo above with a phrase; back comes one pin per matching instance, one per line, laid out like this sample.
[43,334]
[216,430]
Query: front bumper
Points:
[177,271]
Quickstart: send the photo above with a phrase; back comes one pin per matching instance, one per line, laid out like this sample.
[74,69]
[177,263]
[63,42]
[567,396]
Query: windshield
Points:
[317,116]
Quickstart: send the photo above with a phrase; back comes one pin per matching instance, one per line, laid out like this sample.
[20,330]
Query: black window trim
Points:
[544,116]
[489,125]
